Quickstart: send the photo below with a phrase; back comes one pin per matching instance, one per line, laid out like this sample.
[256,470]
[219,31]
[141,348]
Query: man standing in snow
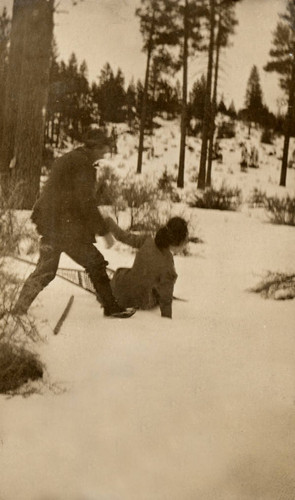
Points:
[67,218]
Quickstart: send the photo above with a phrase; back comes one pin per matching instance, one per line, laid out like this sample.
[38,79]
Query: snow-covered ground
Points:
[198,407]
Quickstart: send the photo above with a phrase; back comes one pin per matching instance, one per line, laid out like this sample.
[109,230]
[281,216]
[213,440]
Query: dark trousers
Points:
[85,254]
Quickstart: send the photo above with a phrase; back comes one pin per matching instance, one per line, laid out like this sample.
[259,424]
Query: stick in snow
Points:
[63,316]
[180,299]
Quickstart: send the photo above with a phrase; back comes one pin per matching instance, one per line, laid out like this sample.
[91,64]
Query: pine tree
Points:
[221,108]
[223,8]
[167,99]
[158,30]
[183,125]
[254,98]
[55,97]
[110,95]
[207,110]
[232,113]
[225,27]
[131,104]
[162,67]
[26,97]
[282,61]
[26,92]
[197,98]
[190,33]
[139,98]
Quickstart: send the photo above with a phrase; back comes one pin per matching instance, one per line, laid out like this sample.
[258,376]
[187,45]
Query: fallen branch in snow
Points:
[279,286]
[63,316]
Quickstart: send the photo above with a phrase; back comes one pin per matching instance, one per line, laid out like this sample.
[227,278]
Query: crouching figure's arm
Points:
[127,237]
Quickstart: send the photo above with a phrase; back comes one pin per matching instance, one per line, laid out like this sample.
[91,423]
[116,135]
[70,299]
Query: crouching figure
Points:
[150,281]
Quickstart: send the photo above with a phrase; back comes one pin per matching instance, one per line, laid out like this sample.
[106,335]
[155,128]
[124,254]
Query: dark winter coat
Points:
[151,279]
[67,207]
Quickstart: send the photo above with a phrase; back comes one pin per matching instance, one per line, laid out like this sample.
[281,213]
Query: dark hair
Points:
[94,137]
[174,233]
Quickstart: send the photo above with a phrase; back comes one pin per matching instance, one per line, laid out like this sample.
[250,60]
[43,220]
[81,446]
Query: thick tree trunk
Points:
[25,117]
[207,111]
[3,73]
[213,111]
[29,137]
[145,97]
[180,178]
[288,125]
[12,89]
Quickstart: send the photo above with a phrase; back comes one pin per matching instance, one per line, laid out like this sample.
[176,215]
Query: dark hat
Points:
[95,137]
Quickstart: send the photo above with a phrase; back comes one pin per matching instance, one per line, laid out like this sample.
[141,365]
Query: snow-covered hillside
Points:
[165,146]
[197,407]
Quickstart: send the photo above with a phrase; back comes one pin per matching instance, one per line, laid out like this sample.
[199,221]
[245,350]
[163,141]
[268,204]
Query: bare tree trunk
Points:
[249,128]
[29,137]
[12,90]
[180,178]
[3,68]
[152,105]
[207,111]
[145,97]
[214,107]
[56,129]
[288,124]
[26,97]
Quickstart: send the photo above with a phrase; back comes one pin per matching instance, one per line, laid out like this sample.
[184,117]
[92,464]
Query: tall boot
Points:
[108,301]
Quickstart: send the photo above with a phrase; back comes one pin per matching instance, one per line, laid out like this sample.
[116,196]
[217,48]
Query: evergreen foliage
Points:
[221,108]
[70,107]
[282,61]
[109,95]
[197,99]
[232,111]
[131,104]
[254,96]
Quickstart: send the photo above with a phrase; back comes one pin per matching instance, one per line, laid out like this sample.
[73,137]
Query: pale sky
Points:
[101,31]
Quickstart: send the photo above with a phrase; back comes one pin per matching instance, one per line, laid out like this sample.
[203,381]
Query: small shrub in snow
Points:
[10,230]
[279,286]
[226,130]
[257,198]
[280,210]
[18,366]
[194,178]
[165,185]
[8,233]
[224,198]
[13,231]
[108,186]
[17,363]
[151,218]
[267,137]
[140,197]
